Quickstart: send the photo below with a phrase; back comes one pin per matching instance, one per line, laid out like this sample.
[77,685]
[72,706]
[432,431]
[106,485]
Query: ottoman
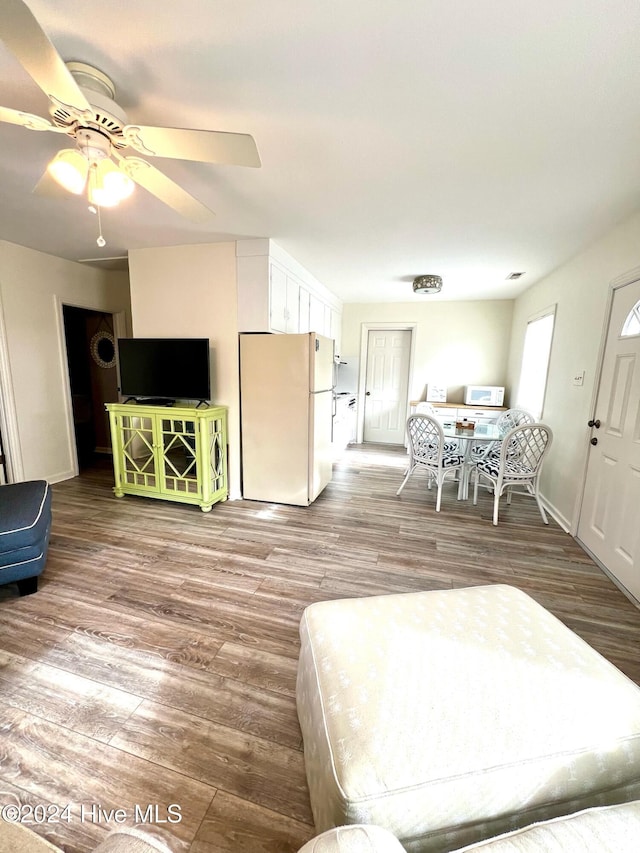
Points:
[25,525]
[451,716]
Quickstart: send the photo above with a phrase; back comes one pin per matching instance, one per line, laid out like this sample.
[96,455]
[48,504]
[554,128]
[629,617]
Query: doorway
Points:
[608,523]
[93,380]
[388,360]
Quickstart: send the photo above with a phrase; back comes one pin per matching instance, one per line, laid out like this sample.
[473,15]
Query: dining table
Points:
[480,433]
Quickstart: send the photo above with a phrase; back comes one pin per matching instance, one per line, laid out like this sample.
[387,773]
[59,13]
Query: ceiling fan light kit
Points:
[90,167]
[70,169]
[108,186]
[425,284]
[82,106]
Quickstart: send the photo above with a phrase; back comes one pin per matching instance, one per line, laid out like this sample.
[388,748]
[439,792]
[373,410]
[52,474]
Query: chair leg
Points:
[496,501]
[404,482]
[475,487]
[540,507]
[27,586]
[439,495]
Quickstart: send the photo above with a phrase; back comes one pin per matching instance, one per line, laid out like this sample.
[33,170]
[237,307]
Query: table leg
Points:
[463,485]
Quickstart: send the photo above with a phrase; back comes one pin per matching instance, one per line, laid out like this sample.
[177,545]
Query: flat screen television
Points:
[164,369]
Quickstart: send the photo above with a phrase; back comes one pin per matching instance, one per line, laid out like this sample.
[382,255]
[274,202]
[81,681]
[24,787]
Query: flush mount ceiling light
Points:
[427,284]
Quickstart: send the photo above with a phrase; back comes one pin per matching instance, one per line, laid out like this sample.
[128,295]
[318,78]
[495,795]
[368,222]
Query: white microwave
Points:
[484,395]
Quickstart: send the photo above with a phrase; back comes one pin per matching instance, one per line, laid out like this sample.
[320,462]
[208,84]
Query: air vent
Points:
[514,276]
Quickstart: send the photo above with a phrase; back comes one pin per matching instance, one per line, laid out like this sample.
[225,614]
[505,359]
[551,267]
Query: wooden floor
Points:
[156,664]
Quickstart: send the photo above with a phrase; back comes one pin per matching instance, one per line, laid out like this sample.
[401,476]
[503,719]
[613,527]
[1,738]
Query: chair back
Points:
[513,418]
[523,450]
[426,439]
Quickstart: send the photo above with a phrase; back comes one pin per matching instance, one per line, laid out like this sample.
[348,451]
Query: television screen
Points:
[166,368]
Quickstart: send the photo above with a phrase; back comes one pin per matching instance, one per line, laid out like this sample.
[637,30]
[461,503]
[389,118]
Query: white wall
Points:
[456,343]
[33,287]
[191,291]
[580,289]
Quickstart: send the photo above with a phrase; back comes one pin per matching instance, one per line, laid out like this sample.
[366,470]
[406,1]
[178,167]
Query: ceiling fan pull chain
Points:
[100,241]
[95,208]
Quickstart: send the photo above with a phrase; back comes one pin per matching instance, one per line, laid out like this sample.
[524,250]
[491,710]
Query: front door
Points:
[387,385]
[608,524]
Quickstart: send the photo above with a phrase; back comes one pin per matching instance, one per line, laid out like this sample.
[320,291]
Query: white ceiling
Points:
[468,138]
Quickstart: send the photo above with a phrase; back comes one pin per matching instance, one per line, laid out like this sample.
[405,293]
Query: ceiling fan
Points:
[83,107]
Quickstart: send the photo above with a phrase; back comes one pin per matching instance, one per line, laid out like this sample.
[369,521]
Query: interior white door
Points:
[608,524]
[387,385]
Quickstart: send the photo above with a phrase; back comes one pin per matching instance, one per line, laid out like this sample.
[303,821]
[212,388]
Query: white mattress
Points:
[451,716]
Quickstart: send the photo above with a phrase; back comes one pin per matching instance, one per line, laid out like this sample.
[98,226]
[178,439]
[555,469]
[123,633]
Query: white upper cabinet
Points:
[277,299]
[336,329]
[284,301]
[276,294]
[316,315]
[304,324]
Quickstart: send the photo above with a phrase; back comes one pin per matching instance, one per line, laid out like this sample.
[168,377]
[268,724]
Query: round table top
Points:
[482,432]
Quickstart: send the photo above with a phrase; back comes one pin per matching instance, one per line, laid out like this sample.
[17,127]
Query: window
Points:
[632,323]
[535,363]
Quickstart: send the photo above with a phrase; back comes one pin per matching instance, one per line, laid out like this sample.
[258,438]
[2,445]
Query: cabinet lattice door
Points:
[176,453]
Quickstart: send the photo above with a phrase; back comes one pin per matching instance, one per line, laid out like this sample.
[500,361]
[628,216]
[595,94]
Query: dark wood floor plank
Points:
[256,666]
[57,766]
[233,824]
[73,702]
[265,713]
[248,767]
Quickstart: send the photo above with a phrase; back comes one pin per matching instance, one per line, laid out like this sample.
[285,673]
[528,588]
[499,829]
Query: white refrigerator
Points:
[286,405]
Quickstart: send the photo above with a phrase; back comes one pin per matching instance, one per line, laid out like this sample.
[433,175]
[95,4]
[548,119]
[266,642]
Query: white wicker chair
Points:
[505,421]
[519,463]
[513,418]
[427,450]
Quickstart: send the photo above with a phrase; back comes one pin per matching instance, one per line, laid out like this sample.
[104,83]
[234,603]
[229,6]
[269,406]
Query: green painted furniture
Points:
[176,453]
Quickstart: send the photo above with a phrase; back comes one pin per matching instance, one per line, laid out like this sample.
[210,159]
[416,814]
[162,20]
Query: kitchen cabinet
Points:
[284,293]
[452,412]
[177,453]
[275,296]
[316,314]
[336,329]
[303,311]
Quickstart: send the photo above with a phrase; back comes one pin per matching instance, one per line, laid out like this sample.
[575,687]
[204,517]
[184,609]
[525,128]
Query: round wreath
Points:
[103,349]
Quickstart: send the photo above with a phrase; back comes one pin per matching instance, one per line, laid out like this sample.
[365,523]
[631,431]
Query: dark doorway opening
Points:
[93,380]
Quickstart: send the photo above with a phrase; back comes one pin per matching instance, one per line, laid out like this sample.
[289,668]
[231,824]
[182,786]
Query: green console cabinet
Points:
[176,453]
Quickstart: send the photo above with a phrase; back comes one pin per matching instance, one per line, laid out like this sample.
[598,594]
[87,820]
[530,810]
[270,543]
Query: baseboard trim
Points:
[555,513]
[60,476]
[609,574]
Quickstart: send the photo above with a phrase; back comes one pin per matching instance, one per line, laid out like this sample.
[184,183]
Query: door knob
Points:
[367,393]
[593,423]
[594,441]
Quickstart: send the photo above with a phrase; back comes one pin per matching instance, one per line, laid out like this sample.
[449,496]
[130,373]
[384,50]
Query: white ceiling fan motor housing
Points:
[109,118]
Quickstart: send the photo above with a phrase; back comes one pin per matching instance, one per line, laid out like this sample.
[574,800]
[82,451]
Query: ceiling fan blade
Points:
[24,36]
[159,185]
[205,146]
[28,120]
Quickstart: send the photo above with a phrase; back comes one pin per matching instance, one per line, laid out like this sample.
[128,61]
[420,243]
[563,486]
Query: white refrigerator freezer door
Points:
[322,366]
[320,448]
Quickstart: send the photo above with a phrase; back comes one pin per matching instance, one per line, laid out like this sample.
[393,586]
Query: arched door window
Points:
[632,323]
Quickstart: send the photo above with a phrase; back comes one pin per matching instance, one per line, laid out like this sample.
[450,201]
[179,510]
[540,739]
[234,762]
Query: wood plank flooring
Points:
[157,662]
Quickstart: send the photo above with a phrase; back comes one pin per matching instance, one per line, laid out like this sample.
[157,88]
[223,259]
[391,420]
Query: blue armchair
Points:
[25,524]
